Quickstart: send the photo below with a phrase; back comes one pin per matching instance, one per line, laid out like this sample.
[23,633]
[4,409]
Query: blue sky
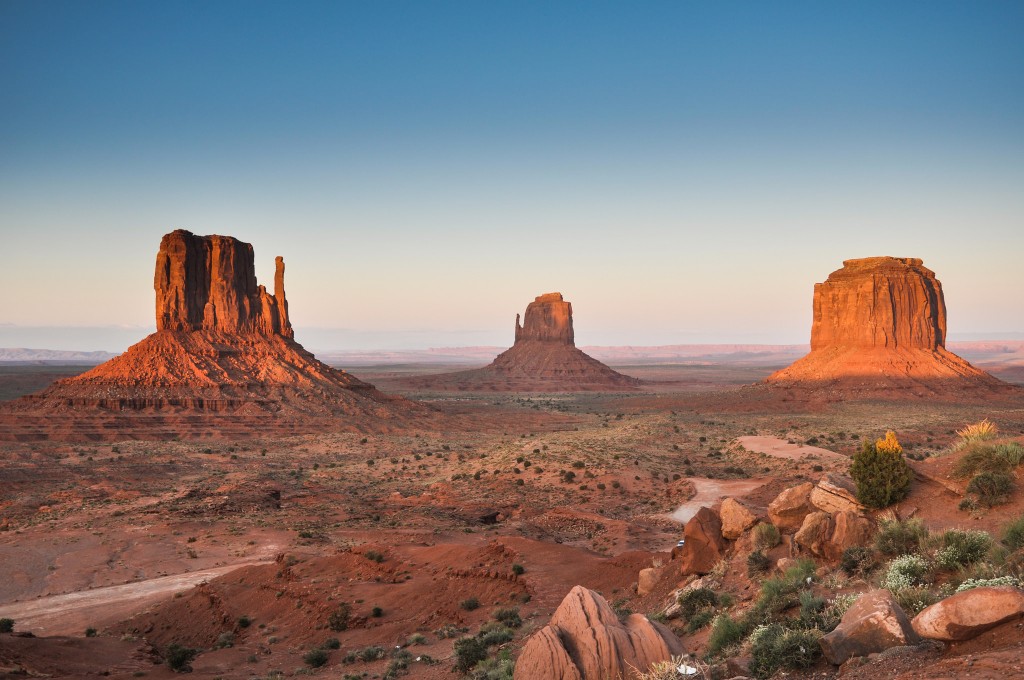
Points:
[683,172]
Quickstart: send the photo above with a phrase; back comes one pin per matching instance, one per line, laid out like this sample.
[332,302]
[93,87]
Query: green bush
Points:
[510,617]
[469,651]
[518,569]
[700,620]
[6,625]
[501,668]
[766,536]
[338,620]
[961,548]
[915,598]
[1013,534]
[897,537]
[881,473]
[470,603]
[757,563]
[991,488]
[315,658]
[904,571]
[494,633]
[1012,452]
[179,659]
[695,600]
[857,560]
[774,647]
[725,632]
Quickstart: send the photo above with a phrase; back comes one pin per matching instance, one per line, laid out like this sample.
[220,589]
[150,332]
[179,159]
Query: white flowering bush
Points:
[904,571]
[988,582]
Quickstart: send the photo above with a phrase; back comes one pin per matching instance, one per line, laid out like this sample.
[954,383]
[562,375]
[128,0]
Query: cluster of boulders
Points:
[822,520]
[876,622]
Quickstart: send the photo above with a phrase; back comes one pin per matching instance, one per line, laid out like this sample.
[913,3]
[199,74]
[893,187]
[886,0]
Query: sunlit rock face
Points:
[209,283]
[879,325]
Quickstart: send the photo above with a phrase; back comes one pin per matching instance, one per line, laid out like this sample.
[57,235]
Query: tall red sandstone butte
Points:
[223,362]
[544,358]
[880,323]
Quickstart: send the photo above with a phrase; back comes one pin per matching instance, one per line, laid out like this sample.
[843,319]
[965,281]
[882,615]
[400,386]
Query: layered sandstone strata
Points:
[224,346]
[544,358]
[878,323]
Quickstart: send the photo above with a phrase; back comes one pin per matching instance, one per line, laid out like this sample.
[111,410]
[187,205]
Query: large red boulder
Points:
[586,641]
[704,546]
[873,624]
[970,613]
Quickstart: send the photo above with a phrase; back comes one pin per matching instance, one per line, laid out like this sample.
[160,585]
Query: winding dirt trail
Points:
[710,491]
[72,613]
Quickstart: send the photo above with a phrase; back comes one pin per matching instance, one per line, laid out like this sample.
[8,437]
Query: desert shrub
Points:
[897,537]
[315,658]
[976,432]
[244,622]
[376,612]
[416,639]
[371,653]
[904,571]
[696,599]
[880,472]
[979,458]
[470,603]
[913,599]
[374,556]
[1011,452]
[700,620]
[510,617]
[766,536]
[338,620]
[960,548]
[757,563]
[1013,534]
[494,633]
[331,643]
[225,640]
[725,632]
[6,625]
[179,659]
[991,488]
[90,632]
[857,560]
[501,668]
[449,630]
[988,583]
[469,651]
[774,647]
[519,569]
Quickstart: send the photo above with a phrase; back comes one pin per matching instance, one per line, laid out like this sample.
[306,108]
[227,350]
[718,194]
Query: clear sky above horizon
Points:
[683,172]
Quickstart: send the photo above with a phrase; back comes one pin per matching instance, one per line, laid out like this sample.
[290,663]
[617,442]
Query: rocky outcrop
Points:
[209,283]
[736,518]
[586,641]
[544,358]
[873,624]
[647,580]
[704,546]
[789,508]
[222,362]
[849,529]
[815,532]
[836,493]
[879,323]
[970,613]
[548,319]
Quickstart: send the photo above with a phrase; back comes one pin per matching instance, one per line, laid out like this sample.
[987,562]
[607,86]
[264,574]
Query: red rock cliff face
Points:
[209,283]
[892,302]
[548,319]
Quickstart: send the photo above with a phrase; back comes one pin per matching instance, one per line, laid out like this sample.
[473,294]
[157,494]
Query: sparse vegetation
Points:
[470,603]
[6,625]
[315,658]
[338,620]
[896,537]
[766,536]
[179,659]
[1013,534]
[991,488]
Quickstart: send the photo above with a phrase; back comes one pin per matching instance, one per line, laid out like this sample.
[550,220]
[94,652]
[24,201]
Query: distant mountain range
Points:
[24,355]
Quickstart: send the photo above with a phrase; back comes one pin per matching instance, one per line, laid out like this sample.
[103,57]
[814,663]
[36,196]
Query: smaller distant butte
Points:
[544,358]
[222,363]
[879,330]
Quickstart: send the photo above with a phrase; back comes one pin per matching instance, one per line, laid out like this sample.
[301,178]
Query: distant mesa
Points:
[544,358]
[880,324]
[223,362]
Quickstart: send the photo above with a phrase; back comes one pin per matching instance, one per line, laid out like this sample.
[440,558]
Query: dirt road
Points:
[72,613]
